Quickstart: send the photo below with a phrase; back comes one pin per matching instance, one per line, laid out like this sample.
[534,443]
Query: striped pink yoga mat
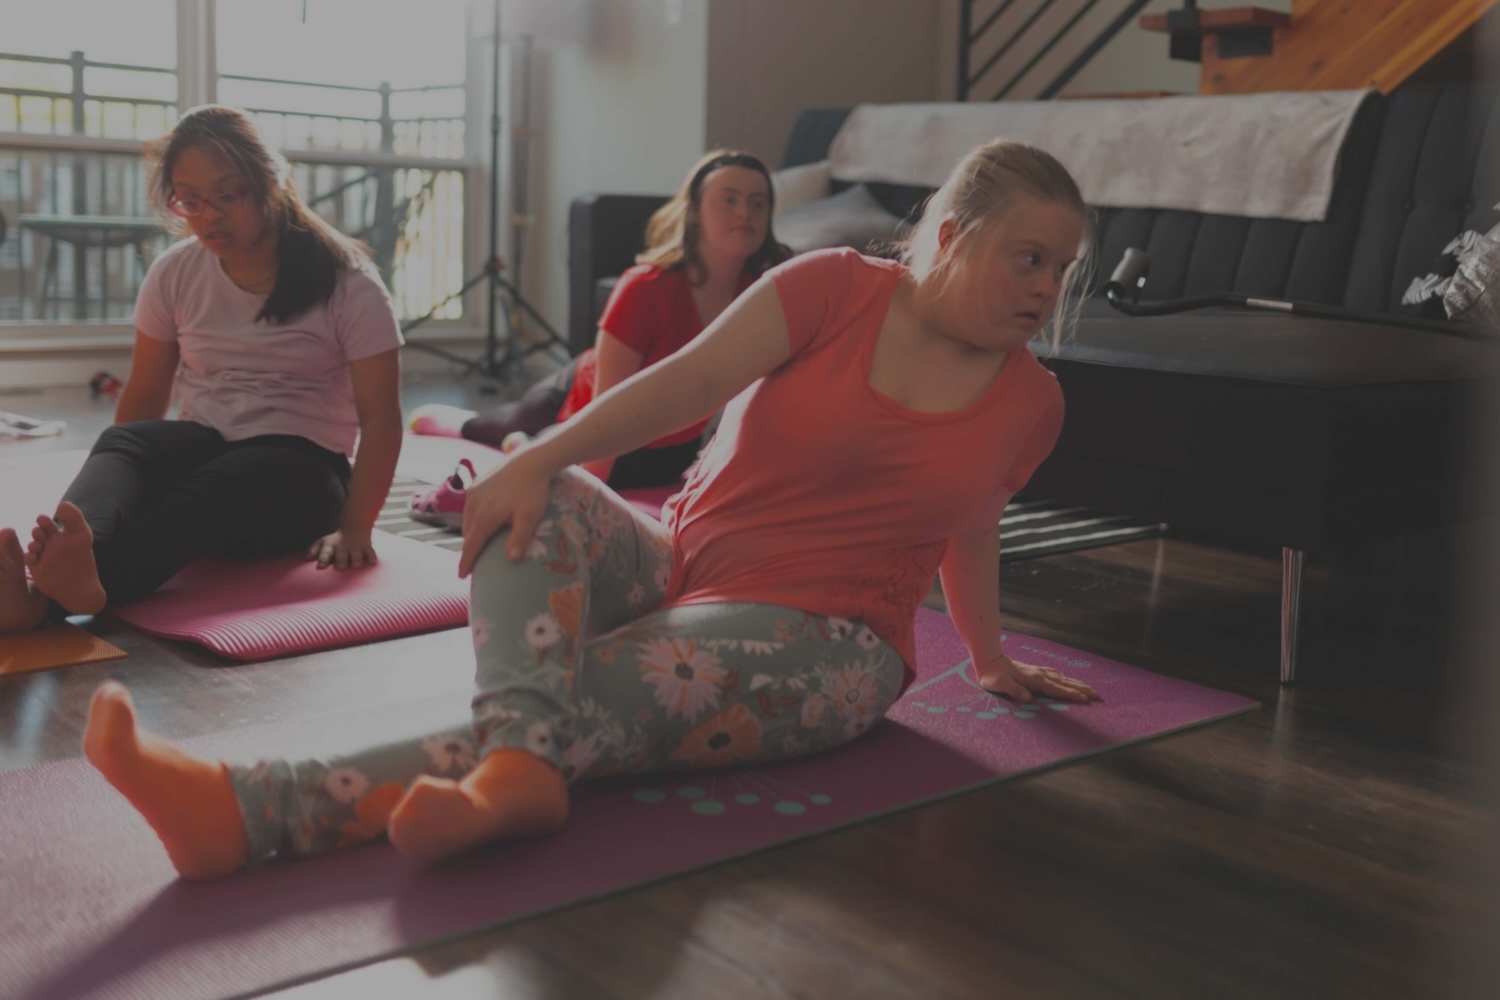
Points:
[256,611]
[92,911]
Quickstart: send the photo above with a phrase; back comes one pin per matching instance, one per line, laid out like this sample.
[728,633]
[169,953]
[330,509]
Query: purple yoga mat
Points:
[91,908]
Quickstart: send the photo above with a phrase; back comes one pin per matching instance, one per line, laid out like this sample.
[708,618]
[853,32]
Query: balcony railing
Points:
[1035,47]
[384,164]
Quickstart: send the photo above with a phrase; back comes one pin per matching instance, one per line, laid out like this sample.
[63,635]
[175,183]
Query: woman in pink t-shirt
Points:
[704,247]
[879,417]
[278,338]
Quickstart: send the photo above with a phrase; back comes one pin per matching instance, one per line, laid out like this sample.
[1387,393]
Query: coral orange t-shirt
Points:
[652,312]
[820,493]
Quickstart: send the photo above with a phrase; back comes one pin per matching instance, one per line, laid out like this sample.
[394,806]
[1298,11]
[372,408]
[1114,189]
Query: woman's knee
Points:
[117,438]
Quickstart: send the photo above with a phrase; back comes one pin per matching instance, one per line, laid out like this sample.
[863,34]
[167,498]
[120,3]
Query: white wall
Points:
[1137,60]
[623,113]
[769,60]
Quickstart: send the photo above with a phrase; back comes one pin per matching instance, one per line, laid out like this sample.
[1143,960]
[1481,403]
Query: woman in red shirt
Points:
[879,416]
[704,247]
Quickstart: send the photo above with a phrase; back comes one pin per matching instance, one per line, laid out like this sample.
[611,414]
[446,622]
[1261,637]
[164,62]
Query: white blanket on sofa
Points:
[1258,155]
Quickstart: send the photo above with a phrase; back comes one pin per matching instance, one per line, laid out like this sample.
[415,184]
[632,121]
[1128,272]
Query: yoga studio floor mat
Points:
[92,909]
[60,645]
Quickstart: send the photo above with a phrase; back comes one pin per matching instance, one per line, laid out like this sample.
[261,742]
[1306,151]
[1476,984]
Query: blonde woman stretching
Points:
[879,417]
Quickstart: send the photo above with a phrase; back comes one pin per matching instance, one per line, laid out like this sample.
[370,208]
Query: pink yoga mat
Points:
[255,611]
[92,910]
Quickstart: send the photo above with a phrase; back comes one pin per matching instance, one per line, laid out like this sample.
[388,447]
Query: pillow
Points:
[1473,294]
[852,218]
[1428,293]
[800,185]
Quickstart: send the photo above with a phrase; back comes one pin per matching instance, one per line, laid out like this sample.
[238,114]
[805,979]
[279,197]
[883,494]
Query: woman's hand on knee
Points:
[513,494]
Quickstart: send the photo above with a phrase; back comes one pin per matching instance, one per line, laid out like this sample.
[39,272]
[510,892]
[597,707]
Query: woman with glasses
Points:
[705,246]
[279,339]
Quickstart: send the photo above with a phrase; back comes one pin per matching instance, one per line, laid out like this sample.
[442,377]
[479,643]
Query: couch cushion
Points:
[850,219]
[812,135]
[802,185]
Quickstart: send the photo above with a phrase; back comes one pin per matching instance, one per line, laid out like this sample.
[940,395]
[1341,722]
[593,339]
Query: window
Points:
[374,124]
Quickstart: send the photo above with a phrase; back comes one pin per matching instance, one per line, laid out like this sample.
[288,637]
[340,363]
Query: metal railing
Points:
[84,113]
[73,185]
[1044,29]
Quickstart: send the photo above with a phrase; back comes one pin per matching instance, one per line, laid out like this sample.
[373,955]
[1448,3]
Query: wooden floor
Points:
[1327,845]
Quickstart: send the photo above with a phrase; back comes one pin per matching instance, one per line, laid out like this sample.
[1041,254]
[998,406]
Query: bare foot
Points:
[187,800]
[22,607]
[61,557]
[510,794]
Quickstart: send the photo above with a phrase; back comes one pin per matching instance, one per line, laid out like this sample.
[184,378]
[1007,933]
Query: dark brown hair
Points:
[672,234]
[310,253]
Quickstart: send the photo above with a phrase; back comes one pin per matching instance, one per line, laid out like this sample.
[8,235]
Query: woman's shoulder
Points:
[1039,382]
[360,278]
[652,275]
[182,254]
[843,260]
[183,265]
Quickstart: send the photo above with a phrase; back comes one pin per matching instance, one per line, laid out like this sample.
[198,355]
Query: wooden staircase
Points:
[1332,44]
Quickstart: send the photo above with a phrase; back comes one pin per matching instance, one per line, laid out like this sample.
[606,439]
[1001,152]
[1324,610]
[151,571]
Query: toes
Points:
[11,553]
[71,519]
[111,723]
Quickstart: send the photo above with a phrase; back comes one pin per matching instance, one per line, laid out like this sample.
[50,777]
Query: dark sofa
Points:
[1312,435]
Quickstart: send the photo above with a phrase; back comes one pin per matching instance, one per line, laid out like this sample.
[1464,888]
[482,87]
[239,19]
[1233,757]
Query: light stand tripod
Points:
[505,299]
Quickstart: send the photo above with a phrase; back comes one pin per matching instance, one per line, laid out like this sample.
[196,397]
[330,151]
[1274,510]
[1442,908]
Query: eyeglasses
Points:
[191,206]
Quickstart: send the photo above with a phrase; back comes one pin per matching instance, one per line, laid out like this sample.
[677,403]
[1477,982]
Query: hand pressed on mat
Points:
[1022,681]
[346,548]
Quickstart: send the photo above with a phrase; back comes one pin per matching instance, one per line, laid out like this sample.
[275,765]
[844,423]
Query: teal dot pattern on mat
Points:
[717,795]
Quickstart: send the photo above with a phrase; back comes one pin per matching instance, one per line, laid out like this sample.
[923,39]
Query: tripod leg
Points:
[513,356]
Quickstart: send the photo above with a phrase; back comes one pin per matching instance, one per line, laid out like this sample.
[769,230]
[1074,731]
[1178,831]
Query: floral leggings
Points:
[578,664]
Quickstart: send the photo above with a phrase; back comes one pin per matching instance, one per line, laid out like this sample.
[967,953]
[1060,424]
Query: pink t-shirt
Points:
[820,493]
[246,378]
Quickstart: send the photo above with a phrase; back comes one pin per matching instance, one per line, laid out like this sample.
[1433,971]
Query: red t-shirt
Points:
[820,493]
[652,312]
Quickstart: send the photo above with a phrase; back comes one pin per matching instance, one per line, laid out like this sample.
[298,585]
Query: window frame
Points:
[197,83]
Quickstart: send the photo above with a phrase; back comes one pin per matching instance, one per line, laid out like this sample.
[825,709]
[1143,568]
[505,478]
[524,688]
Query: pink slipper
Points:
[443,505]
[438,420]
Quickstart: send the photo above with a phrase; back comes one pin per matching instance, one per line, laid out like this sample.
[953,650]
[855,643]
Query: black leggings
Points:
[537,410]
[160,493]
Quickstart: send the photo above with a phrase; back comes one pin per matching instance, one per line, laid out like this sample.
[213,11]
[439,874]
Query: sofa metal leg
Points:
[1291,603]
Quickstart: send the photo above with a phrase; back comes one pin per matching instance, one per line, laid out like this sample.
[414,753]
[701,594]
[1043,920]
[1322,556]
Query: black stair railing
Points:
[1031,36]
